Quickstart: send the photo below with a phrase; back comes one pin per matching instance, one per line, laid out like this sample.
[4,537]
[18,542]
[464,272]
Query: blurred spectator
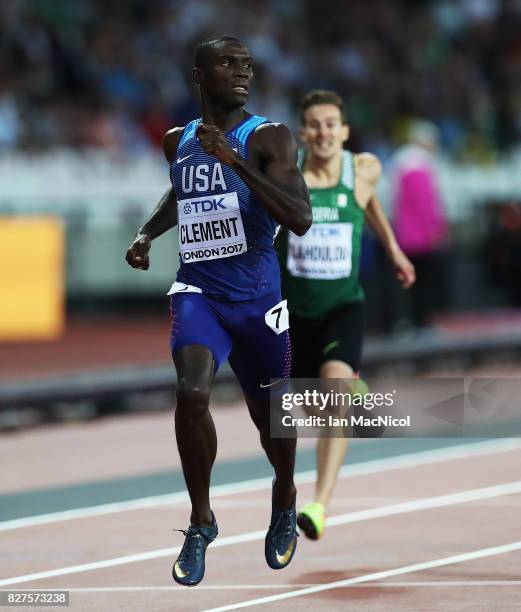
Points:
[419,219]
[457,62]
[503,248]
[10,123]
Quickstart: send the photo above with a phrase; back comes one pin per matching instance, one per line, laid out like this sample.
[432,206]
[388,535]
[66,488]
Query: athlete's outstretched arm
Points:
[163,218]
[377,221]
[270,172]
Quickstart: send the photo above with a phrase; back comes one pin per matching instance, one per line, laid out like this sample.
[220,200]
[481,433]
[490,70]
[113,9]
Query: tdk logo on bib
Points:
[210,228]
[203,206]
[325,230]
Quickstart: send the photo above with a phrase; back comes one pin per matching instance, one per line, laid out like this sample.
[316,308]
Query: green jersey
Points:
[320,270]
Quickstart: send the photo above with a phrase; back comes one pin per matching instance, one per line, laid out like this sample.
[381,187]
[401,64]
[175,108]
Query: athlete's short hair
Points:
[321,96]
[202,49]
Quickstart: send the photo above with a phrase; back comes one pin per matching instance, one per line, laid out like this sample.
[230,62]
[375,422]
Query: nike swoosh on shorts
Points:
[263,386]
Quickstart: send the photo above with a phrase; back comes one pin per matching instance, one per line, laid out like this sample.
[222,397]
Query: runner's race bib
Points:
[277,318]
[210,227]
[324,252]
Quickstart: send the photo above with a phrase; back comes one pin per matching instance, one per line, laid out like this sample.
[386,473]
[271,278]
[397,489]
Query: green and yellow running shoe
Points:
[311,519]
[356,386]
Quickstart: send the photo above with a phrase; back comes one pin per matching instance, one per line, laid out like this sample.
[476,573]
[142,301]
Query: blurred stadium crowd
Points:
[116,74]
[89,87]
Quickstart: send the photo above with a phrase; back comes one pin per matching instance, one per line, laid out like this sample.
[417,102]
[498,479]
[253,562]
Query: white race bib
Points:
[210,227]
[277,318]
[324,252]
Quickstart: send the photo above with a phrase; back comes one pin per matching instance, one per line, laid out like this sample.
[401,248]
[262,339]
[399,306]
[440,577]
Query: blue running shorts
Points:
[252,334]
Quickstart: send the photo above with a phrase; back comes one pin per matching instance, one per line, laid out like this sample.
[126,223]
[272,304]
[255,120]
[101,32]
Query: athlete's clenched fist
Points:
[137,253]
[214,143]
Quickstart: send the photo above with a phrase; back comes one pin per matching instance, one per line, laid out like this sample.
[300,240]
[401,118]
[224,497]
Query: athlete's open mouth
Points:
[241,90]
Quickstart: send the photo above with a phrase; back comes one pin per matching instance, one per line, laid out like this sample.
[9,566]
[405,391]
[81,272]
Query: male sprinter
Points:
[320,270]
[234,180]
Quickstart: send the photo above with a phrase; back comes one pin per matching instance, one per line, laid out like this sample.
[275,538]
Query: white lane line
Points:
[443,583]
[374,466]
[351,517]
[274,587]
[438,501]
[201,587]
[152,554]
[406,569]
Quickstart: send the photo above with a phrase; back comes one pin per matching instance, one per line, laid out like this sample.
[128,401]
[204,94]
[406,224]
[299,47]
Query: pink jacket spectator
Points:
[418,215]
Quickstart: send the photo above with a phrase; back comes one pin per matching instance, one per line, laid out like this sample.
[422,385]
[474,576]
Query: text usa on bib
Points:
[210,227]
[324,252]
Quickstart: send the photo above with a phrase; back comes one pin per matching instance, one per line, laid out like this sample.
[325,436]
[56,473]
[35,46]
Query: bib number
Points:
[324,252]
[210,227]
[277,318]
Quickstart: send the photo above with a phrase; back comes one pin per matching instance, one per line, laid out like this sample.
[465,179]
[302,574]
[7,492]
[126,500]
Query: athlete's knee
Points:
[192,398]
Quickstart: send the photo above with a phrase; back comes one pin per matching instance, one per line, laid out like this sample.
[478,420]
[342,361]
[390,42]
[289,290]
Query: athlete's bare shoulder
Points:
[273,141]
[171,141]
[368,167]
[269,132]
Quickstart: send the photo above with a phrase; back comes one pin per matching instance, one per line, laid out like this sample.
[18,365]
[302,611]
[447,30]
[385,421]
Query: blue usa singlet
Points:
[225,235]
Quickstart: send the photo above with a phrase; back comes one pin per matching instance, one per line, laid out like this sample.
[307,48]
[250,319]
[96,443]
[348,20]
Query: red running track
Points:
[380,521]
